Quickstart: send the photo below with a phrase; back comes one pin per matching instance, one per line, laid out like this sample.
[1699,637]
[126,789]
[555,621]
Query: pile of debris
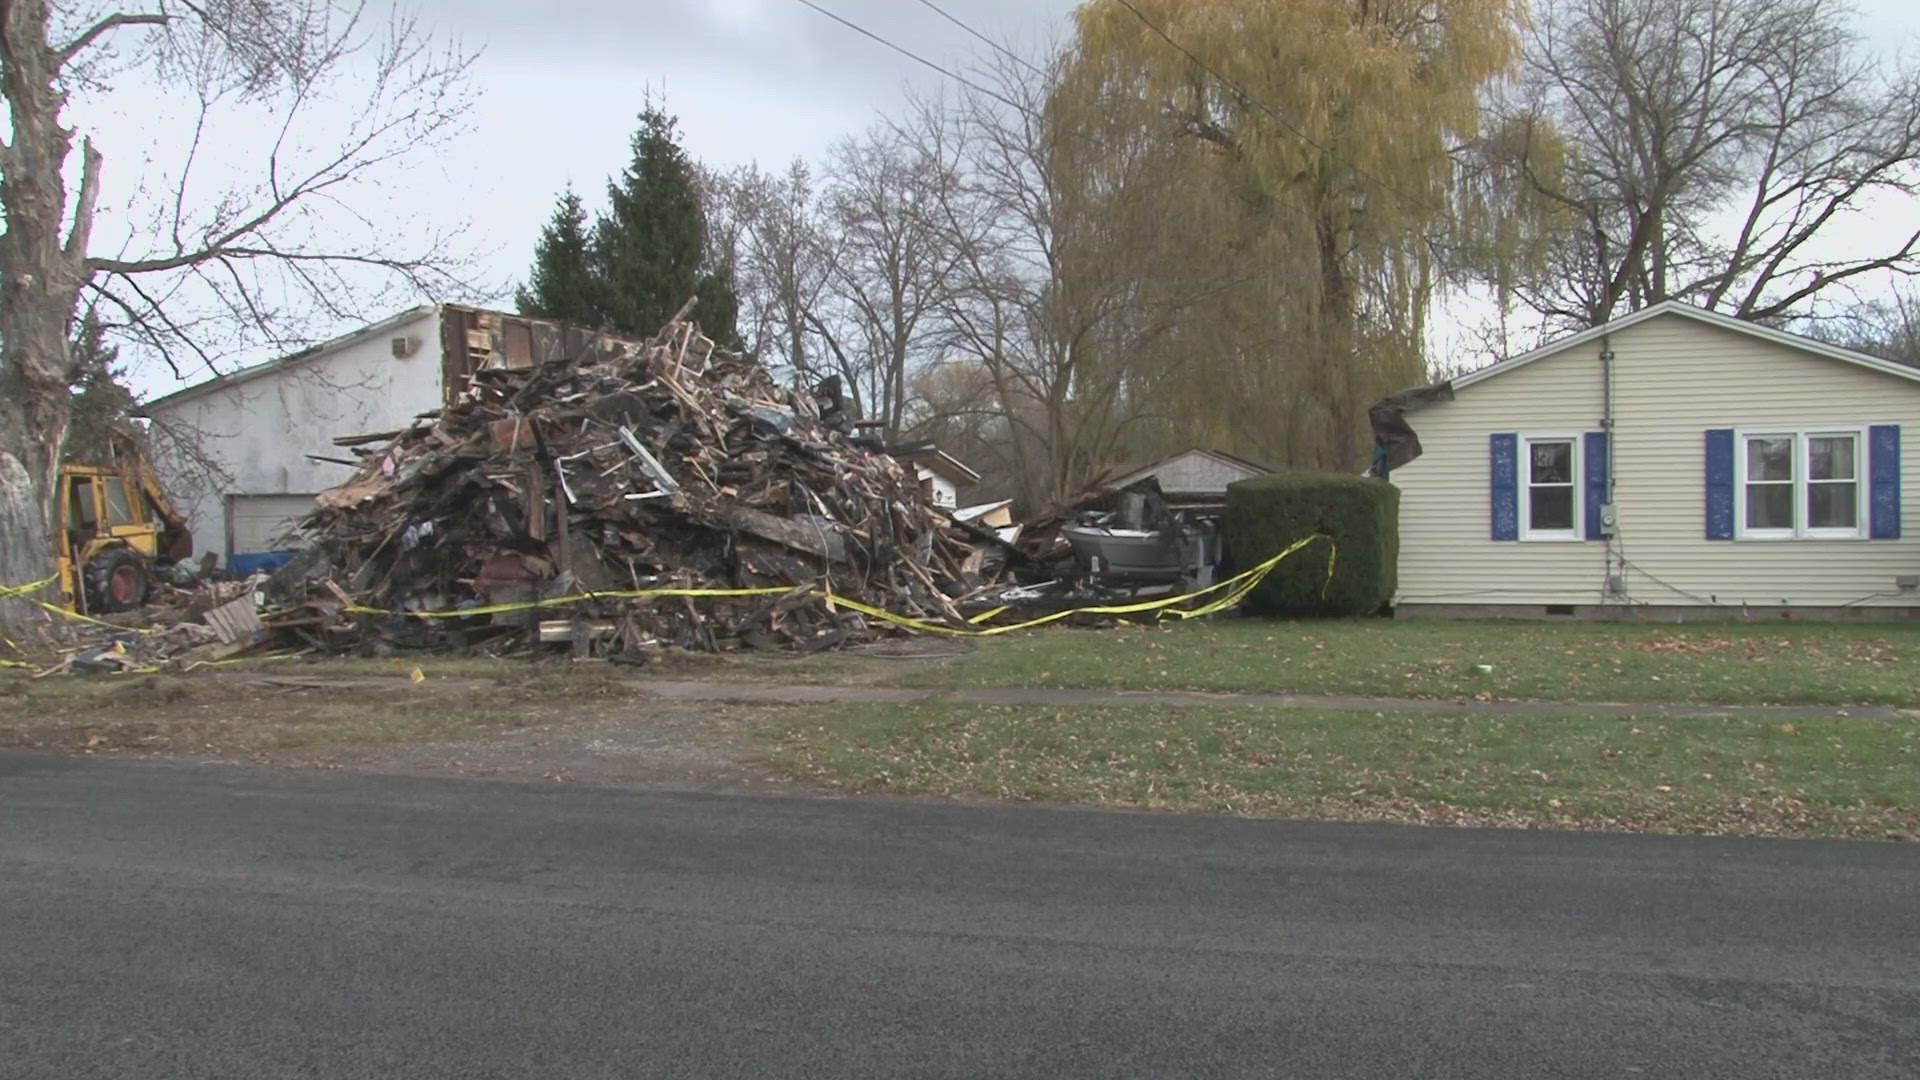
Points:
[1106,545]
[179,629]
[547,501]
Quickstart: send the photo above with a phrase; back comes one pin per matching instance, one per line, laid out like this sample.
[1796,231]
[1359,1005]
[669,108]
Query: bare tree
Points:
[1888,327]
[785,255]
[263,261]
[953,404]
[891,263]
[1078,281]
[1704,150]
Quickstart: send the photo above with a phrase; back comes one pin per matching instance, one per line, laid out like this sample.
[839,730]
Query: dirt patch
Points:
[564,724]
[629,741]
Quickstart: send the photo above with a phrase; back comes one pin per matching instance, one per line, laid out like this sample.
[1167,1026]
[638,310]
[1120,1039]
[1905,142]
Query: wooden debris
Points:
[666,465]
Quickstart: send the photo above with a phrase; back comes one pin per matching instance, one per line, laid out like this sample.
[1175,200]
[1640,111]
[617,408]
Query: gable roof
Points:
[248,374]
[933,459]
[1221,456]
[1711,318]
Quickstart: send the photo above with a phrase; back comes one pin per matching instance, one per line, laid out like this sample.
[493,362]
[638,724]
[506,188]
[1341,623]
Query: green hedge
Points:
[1267,514]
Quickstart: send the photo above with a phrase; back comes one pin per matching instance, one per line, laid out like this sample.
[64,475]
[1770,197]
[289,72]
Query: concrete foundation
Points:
[1657,613]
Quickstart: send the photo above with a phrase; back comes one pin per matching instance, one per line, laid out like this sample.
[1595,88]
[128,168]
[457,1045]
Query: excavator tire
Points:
[117,580]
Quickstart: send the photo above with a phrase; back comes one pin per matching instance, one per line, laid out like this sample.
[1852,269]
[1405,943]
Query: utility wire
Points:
[992,44]
[916,57]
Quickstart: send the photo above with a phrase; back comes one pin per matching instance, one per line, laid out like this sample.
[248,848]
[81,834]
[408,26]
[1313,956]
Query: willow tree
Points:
[1333,125]
[1065,219]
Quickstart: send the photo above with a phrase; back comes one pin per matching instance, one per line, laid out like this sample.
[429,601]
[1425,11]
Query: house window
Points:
[1551,474]
[1800,485]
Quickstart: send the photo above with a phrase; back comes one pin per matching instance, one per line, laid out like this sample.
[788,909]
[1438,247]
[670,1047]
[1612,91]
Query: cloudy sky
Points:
[751,80]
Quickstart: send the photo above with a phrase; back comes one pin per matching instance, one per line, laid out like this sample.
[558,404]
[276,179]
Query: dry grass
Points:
[230,715]
[1719,664]
[1832,777]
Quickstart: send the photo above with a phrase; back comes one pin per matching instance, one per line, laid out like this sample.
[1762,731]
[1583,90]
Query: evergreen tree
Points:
[564,284]
[101,405]
[645,256]
[718,312]
[650,246]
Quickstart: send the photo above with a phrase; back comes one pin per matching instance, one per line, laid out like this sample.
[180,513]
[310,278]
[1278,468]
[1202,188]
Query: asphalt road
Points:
[190,921]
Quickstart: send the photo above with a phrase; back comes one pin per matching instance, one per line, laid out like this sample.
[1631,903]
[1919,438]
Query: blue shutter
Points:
[1720,484]
[1596,468]
[1883,480]
[1504,456]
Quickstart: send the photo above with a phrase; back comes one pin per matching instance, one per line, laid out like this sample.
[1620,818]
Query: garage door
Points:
[257,523]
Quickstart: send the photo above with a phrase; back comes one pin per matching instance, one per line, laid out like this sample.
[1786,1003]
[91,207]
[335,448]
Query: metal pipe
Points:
[1606,405]
[1611,536]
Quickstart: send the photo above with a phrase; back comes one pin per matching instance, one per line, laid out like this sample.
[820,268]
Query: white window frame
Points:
[1862,484]
[1525,470]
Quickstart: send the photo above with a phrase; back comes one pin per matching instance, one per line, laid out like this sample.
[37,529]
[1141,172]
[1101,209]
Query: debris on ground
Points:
[548,501]
[179,628]
[649,495]
[1106,545]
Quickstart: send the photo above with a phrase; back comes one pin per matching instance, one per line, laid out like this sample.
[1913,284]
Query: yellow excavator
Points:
[116,531]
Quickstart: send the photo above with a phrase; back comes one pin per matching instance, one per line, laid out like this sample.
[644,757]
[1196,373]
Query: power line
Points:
[992,44]
[1248,97]
[916,57]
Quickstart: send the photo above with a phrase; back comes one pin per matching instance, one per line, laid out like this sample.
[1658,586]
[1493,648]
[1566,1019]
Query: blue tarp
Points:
[248,565]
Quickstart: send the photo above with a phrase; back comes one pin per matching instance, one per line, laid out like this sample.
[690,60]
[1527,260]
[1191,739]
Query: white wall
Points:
[945,492]
[261,430]
[1675,378]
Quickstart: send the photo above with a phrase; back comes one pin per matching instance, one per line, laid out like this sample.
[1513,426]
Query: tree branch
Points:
[67,52]
[81,232]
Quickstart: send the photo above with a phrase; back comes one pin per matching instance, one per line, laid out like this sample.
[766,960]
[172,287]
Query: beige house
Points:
[1195,479]
[1672,463]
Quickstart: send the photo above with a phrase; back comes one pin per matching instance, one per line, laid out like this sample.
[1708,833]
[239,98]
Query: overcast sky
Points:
[751,80]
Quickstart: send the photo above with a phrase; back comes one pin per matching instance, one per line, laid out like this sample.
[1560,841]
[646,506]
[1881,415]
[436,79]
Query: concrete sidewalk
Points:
[744,693]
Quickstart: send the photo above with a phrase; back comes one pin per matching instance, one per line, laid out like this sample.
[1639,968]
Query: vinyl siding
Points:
[260,432]
[1447,554]
[1674,378]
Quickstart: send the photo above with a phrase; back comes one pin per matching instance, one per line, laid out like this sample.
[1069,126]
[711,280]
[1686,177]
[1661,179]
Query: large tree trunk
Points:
[26,553]
[44,271]
[1335,336]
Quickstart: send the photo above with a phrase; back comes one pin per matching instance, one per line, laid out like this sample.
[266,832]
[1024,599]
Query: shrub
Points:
[1267,514]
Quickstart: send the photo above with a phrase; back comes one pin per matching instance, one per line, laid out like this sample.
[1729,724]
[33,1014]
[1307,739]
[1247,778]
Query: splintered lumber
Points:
[637,467]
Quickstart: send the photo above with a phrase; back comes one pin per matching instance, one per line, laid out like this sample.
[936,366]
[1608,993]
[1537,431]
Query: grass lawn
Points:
[1702,663]
[1721,664]
[1834,777]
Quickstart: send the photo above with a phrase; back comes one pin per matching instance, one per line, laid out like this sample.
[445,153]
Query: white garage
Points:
[261,523]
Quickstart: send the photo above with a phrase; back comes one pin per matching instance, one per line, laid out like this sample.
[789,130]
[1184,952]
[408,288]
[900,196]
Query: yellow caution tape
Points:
[9,592]
[23,592]
[198,664]
[1232,590]
[989,615]
[77,617]
[563,601]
